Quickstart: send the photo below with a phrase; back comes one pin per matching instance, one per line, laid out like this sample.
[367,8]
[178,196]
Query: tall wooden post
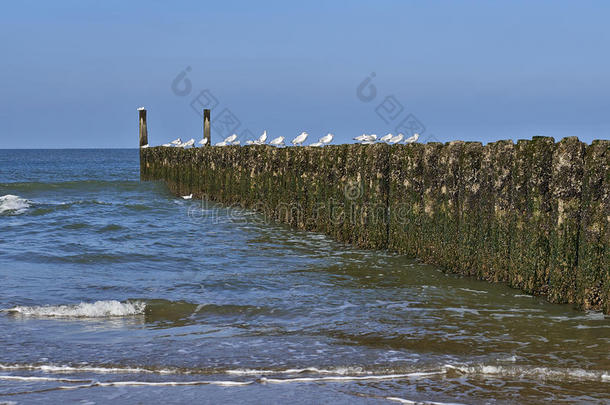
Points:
[143,130]
[206,126]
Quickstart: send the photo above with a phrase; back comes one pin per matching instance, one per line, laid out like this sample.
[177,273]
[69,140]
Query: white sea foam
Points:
[46,379]
[538,373]
[351,377]
[173,383]
[410,402]
[473,291]
[98,309]
[13,204]
[313,370]
[60,369]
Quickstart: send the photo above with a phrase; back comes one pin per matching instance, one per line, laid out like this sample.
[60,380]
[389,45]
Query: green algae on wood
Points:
[534,215]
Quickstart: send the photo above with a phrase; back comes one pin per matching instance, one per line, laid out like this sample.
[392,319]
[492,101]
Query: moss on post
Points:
[566,198]
[593,277]
[535,215]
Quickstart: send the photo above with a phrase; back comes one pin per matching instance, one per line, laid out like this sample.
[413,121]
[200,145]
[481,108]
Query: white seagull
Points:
[326,139]
[364,138]
[316,144]
[167,145]
[235,143]
[203,142]
[141,109]
[231,138]
[412,138]
[188,144]
[250,142]
[176,142]
[396,139]
[300,139]
[262,139]
[145,146]
[277,141]
[187,197]
[223,143]
[386,138]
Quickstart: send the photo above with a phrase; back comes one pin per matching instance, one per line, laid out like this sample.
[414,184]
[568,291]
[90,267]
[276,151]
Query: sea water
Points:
[114,290]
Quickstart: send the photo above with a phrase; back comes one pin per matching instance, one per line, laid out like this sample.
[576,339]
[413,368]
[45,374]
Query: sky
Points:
[73,73]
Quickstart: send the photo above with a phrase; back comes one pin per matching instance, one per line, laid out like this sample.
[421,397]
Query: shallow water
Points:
[115,290]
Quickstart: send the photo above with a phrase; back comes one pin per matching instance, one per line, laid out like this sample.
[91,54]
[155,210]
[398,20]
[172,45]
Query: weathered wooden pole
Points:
[206,126]
[143,130]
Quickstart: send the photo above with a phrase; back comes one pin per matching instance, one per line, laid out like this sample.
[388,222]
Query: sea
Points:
[113,290]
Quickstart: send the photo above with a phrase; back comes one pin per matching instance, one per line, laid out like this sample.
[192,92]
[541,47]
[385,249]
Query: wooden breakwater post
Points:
[206,127]
[143,141]
[143,130]
[533,214]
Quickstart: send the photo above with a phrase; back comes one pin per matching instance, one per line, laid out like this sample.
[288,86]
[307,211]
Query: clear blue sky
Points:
[74,72]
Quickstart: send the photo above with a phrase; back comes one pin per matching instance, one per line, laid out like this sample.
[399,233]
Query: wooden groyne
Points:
[534,215]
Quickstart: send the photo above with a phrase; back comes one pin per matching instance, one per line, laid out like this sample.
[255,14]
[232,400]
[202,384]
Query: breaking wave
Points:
[98,309]
[350,373]
[13,204]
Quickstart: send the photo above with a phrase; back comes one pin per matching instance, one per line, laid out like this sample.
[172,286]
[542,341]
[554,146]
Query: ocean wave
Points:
[68,369]
[314,370]
[98,309]
[13,204]
[411,402]
[534,373]
[315,374]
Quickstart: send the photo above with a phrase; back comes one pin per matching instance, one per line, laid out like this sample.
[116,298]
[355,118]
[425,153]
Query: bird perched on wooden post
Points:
[279,141]
[412,138]
[326,139]
[300,139]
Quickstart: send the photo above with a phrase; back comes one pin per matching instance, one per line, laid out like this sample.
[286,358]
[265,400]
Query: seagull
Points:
[317,144]
[250,142]
[263,138]
[203,142]
[167,145]
[188,144]
[141,109]
[176,142]
[277,141]
[386,138]
[396,139]
[187,197]
[145,146]
[235,143]
[366,138]
[223,143]
[412,139]
[231,138]
[326,139]
[300,139]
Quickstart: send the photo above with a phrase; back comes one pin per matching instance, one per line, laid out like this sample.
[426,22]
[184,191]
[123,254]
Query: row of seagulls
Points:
[389,138]
[232,140]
